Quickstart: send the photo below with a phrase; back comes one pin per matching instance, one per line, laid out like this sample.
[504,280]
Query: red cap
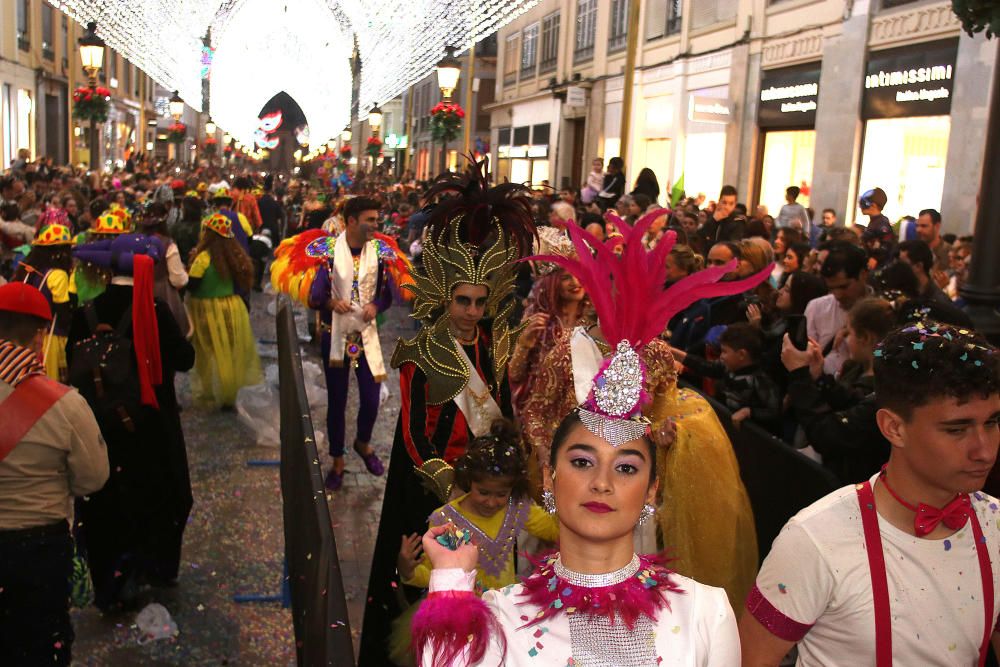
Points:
[24,299]
[178,184]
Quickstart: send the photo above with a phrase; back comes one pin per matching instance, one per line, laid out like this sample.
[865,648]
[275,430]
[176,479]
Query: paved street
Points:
[234,543]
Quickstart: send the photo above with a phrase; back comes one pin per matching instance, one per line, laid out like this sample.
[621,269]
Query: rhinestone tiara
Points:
[615,430]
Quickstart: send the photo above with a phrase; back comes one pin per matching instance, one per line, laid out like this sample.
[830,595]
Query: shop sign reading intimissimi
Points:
[789,96]
[910,81]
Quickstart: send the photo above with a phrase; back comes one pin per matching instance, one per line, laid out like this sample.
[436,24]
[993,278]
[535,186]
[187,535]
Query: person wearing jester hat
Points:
[226,348]
[48,267]
[453,373]
[132,528]
[706,520]
[90,279]
[596,601]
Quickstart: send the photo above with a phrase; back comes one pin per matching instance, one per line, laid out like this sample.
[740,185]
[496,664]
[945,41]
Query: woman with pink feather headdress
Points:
[624,441]
[705,518]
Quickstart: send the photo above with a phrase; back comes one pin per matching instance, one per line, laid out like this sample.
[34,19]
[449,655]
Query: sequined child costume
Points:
[504,535]
[451,391]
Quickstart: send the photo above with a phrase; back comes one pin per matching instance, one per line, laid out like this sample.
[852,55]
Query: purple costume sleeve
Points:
[319,294]
[386,287]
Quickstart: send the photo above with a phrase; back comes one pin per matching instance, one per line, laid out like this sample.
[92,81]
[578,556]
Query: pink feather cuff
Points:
[454,628]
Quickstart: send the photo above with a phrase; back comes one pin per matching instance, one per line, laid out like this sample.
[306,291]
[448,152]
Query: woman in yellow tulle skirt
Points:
[705,515]
[225,350]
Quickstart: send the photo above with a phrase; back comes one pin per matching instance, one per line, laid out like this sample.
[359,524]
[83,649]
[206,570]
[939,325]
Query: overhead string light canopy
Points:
[306,52]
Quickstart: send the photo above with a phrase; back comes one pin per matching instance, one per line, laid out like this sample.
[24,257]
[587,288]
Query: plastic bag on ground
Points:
[257,408]
[154,622]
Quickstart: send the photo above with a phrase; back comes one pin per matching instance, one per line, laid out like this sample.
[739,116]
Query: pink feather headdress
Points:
[634,305]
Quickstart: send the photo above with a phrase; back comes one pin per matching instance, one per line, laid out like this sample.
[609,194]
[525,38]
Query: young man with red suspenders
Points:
[901,569]
[51,449]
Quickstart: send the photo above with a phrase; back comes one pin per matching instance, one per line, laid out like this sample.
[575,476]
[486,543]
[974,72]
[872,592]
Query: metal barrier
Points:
[779,479]
[319,607]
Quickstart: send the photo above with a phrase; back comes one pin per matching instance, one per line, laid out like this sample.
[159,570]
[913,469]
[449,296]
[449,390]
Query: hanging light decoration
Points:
[306,55]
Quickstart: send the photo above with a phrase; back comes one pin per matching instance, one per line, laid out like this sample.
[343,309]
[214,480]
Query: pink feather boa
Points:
[450,622]
[645,594]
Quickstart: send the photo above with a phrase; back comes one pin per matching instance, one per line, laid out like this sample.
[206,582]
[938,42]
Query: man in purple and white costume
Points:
[875,573]
[349,292]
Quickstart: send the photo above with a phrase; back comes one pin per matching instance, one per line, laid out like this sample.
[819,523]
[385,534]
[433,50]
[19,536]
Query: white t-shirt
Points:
[815,588]
[824,318]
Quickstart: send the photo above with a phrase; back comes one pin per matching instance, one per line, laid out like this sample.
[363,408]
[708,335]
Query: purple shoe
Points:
[334,480]
[372,462]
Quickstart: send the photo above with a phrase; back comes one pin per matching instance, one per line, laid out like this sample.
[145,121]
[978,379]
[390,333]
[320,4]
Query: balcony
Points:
[23,42]
[47,52]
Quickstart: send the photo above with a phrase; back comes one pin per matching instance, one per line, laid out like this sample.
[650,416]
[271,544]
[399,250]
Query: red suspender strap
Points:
[986,572]
[880,587]
[24,407]
[876,565]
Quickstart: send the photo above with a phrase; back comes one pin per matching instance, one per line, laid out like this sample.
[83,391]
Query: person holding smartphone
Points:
[838,415]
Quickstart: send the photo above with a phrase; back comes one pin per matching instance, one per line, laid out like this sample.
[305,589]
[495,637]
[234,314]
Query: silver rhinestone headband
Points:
[615,431]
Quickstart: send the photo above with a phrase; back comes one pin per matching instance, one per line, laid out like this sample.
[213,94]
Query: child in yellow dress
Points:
[495,509]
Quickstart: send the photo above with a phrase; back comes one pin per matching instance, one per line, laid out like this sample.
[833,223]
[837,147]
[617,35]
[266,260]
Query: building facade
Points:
[40,68]
[761,94]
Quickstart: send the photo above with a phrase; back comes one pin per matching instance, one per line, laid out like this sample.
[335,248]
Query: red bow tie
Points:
[954,514]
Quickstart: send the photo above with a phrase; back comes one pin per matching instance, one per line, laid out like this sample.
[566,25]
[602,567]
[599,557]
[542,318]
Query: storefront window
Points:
[788,160]
[612,147]
[24,113]
[520,171]
[704,159]
[6,116]
[906,104]
[906,158]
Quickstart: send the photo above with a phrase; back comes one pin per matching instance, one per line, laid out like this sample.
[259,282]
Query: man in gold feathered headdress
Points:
[452,374]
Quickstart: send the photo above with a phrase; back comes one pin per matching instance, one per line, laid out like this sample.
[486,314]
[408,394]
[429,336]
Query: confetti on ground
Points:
[233,542]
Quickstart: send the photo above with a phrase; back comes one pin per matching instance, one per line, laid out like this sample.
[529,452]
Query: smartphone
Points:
[797,331]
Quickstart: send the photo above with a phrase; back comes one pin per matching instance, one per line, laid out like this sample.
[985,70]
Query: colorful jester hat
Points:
[476,235]
[633,307]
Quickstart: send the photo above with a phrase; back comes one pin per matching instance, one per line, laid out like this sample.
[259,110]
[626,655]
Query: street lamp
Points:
[375,119]
[346,135]
[447,75]
[210,128]
[92,58]
[176,106]
[448,70]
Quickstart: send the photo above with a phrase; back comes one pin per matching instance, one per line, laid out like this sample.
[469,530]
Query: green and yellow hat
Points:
[219,224]
[109,223]
[53,234]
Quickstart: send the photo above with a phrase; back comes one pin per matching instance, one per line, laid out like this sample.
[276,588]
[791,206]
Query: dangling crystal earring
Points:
[646,514]
[549,501]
